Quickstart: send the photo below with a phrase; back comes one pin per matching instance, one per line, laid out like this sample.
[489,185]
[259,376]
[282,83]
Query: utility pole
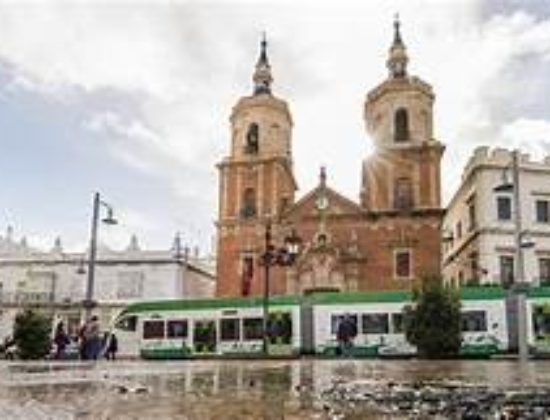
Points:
[267,263]
[519,286]
[110,220]
[91,261]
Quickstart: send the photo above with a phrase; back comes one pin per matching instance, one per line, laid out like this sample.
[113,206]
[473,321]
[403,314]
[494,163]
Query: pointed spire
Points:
[262,75]
[9,233]
[57,246]
[397,59]
[396,32]
[177,246]
[263,52]
[134,244]
[323,176]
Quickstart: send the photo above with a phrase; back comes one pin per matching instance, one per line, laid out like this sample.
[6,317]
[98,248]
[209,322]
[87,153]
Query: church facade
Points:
[389,239]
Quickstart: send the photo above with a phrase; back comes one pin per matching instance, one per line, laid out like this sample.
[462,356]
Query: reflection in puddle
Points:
[296,389]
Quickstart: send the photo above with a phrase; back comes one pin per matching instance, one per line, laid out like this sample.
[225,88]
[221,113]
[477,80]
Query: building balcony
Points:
[27,297]
[37,298]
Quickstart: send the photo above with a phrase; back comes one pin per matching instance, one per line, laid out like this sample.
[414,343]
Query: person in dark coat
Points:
[82,342]
[61,340]
[111,347]
[345,335]
[92,339]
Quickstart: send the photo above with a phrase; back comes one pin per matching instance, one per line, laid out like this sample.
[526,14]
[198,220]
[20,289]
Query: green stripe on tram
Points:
[322,298]
[482,293]
[398,296]
[334,298]
[539,292]
[201,304]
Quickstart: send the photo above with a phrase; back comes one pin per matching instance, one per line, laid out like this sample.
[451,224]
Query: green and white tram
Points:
[378,318]
[176,329]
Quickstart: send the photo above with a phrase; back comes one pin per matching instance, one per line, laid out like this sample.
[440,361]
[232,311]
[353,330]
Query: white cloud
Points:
[531,136]
[478,74]
[89,46]
[183,65]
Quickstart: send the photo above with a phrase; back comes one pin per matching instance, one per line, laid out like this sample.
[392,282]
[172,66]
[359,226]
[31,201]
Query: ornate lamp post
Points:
[273,256]
[110,220]
[519,287]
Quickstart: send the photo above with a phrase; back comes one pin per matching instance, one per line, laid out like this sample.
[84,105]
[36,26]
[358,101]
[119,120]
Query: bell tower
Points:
[403,174]
[256,182]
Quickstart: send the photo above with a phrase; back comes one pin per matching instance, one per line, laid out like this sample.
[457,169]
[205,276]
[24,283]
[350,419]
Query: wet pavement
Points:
[297,389]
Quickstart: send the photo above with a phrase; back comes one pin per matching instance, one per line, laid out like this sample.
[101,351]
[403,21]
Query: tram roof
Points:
[396,296]
[323,298]
[213,303]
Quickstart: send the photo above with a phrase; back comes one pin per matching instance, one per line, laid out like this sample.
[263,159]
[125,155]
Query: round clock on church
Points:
[322,203]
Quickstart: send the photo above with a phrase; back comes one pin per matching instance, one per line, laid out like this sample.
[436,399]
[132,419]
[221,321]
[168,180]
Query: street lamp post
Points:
[273,256]
[109,219]
[182,261]
[519,286]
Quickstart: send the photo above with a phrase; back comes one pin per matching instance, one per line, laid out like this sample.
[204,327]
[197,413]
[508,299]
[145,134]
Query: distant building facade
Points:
[386,240]
[478,229]
[54,282]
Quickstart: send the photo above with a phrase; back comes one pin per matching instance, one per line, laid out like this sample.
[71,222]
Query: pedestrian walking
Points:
[111,347]
[82,342]
[61,340]
[92,339]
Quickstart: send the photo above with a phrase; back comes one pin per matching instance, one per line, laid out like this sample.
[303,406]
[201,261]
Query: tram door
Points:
[280,333]
[126,331]
[204,336]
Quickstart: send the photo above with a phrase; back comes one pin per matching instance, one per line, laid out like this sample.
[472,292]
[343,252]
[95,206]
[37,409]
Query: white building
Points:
[55,281]
[478,229]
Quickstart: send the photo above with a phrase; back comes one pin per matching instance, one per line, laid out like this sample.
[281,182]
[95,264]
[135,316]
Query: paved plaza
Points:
[297,389]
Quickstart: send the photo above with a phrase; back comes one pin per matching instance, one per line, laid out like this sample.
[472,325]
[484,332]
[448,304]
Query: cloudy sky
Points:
[132,99]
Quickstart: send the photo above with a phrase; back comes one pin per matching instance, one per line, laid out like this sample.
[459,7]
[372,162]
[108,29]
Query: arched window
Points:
[401,125]
[249,203]
[403,194]
[252,139]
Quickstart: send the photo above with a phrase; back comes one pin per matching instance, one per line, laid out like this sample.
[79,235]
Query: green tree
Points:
[31,333]
[432,322]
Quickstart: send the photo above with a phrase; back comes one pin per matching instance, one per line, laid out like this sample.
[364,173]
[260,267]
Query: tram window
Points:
[153,329]
[253,328]
[279,328]
[335,321]
[128,323]
[230,330]
[375,323]
[541,321]
[473,321]
[176,328]
[398,324]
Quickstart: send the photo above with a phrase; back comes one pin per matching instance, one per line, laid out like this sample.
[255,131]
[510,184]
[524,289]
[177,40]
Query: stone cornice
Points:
[52,262]
[284,161]
[260,101]
[413,213]
[475,234]
[400,85]
[416,148]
